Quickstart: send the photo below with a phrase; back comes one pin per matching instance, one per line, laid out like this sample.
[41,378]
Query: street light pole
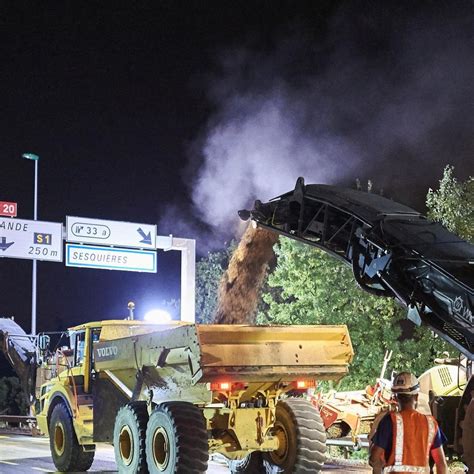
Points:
[35,158]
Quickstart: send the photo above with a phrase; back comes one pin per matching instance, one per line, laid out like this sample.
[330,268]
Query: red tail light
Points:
[304,384]
[221,386]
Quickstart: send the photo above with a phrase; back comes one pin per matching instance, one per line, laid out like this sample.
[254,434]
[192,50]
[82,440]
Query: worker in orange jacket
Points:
[405,439]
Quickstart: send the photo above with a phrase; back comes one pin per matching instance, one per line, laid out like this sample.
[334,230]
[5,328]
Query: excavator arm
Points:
[20,351]
[393,250]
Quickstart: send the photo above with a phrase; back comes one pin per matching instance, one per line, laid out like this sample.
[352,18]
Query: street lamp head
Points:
[30,156]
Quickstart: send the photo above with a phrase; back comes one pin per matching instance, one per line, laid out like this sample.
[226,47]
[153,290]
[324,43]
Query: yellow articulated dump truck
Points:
[168,396]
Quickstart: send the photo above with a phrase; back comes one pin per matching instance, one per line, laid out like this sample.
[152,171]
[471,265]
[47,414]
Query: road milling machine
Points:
[167,396]
[395,252]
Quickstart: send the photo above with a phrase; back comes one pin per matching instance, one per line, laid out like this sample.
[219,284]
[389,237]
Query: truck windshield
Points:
[79,347]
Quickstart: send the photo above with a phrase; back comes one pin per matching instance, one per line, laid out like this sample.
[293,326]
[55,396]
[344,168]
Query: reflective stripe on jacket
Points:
[413,436]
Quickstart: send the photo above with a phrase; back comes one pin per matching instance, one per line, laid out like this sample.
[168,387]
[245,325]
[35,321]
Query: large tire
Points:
[176,440]
[302,439]
[251,464]
[129,438]
[68,455]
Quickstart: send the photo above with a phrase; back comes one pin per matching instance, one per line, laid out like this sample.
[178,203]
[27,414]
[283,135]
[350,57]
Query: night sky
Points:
[180,113]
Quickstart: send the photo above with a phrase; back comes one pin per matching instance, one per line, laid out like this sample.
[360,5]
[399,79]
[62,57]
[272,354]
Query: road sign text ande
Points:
[13,225]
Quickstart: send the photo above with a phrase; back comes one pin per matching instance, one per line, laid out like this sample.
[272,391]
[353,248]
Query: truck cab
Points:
[65,377]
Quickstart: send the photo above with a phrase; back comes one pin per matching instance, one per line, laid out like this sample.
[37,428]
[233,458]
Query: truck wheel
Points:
[302,439]
[68,455]
[251,464]
[176,440]
[129,438]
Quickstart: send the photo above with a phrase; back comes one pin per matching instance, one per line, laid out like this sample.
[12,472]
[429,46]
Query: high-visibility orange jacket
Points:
[413,436]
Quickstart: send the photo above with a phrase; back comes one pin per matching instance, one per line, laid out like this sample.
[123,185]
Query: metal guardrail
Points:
[20,419]
[361,443]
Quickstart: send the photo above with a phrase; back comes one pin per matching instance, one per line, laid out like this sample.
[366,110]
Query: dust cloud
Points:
[380,91]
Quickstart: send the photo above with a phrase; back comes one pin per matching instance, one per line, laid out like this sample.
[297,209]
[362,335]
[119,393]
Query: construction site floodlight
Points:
[158,316]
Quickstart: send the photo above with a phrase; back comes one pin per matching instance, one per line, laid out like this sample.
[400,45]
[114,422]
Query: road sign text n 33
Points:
[86,230]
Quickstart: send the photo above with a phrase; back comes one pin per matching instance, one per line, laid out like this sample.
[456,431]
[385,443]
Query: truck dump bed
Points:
[275,352]
[192,355]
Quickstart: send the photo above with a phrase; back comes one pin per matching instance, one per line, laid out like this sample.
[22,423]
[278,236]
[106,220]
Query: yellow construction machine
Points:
[168,396]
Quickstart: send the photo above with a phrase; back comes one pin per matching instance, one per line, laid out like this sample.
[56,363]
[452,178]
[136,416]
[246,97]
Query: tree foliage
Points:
[13,400]
[453,204]
[311,287]
[209,271]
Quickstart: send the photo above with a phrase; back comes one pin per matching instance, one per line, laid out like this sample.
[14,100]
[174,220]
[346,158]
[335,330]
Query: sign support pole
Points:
[187,247]
[35,158]
[35,268]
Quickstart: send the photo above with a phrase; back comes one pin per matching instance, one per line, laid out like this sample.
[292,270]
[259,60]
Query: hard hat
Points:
[406,383]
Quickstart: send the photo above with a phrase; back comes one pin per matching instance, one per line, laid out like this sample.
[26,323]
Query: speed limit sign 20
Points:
[8,209]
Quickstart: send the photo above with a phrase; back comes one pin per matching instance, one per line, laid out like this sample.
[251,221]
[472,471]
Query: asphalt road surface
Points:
[30,455]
